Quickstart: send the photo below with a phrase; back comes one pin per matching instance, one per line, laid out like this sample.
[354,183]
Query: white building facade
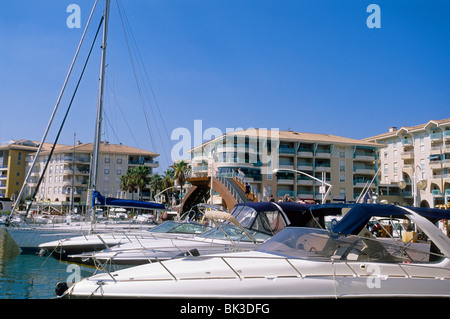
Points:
[415,164]
[273,162]
[67,174]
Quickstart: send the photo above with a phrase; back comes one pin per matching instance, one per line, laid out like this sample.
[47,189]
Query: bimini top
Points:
[360,214]
[99,200]
[268,206]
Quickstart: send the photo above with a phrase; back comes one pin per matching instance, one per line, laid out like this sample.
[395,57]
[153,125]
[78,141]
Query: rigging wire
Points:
[145,79]
[64,119]
[58,101]
[121,112]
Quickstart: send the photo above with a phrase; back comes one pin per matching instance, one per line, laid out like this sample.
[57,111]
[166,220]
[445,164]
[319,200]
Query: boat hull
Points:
[260,276]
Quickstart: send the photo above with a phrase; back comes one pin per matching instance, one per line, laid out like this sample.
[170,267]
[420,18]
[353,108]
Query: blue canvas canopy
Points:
[99,200]
[360,214]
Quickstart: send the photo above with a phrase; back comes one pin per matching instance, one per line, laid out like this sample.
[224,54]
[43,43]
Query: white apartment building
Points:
[347,164]
[415,164]
[69,170]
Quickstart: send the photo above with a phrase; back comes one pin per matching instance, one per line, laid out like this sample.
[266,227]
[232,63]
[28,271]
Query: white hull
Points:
[261,275]
[29,238]
[298,262]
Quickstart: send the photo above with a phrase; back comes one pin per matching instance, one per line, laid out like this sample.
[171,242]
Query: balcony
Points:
[436,136]
[447,134]
[363,169]
[323,153]
[407,155]
[305,181]
[364,156]
[305,152]
[286,150]
[323,167]
[305,166]
[407,142]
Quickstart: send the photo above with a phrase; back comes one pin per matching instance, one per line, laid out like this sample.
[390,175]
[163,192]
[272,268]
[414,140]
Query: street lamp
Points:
[324,194]
[417,186]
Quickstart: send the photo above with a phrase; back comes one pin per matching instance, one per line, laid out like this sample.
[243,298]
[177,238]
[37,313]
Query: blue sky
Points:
[308,65]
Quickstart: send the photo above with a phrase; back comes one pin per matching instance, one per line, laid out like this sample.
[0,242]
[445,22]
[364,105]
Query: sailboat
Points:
[30,236]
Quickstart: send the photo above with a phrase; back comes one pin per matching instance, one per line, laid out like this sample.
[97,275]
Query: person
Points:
[271,199]
[247,190]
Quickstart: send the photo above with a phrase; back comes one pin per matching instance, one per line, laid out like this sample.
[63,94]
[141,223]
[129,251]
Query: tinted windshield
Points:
[182,228]
[234,233]
[323,244]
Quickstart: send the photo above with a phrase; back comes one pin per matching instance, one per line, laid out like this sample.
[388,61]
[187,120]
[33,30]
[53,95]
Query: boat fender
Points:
[60,288]
[43,252]
[192,252]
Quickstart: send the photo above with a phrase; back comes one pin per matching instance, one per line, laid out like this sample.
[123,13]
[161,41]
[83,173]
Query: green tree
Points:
[135,179]
[127,184]
[141,176]
[155,184]
[179,169]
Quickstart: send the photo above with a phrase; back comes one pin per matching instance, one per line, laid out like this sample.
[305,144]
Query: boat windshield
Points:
[234,233]
[181,228]
[323,244]
[266,222]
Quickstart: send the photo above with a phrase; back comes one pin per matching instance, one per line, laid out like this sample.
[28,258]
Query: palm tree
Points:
[141,177]
[155,183]
[179,177]
[135,179]
[127,184]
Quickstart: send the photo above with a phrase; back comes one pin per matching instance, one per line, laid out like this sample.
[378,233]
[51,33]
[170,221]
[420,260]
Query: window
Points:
[107,159]
[106,171]
[119,159]
[395,167]
[386,168]
[342,166]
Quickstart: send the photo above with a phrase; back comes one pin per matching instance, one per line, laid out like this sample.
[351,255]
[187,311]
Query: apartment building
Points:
[415,164]
[69,170]
[281,163]
[13,166]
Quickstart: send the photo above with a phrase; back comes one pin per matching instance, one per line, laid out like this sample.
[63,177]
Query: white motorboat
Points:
[300,263]
[29,236]
[247,226]
[62,248]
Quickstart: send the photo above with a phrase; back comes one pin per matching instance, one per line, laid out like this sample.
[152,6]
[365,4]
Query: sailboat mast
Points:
[99,118]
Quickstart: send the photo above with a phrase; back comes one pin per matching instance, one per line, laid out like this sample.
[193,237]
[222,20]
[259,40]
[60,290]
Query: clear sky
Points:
[306,65]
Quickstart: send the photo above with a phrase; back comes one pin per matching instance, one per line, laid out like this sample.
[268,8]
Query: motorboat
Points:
[247,226]
[29,236]
[184,227]
[62,248]
[301,262]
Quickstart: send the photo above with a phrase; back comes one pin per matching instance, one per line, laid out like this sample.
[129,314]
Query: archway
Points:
[424,204]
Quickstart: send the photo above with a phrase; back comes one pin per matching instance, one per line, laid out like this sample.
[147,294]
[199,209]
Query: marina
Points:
[249,214]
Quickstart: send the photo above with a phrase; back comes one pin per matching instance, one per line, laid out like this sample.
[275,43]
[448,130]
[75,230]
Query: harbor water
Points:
[27,276]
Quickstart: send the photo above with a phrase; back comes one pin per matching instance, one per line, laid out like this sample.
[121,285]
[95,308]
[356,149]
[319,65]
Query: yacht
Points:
[301,262]
[248,225]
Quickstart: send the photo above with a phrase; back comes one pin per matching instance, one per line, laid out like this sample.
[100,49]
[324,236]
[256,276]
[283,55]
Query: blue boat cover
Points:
[99,200]
[360,214]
